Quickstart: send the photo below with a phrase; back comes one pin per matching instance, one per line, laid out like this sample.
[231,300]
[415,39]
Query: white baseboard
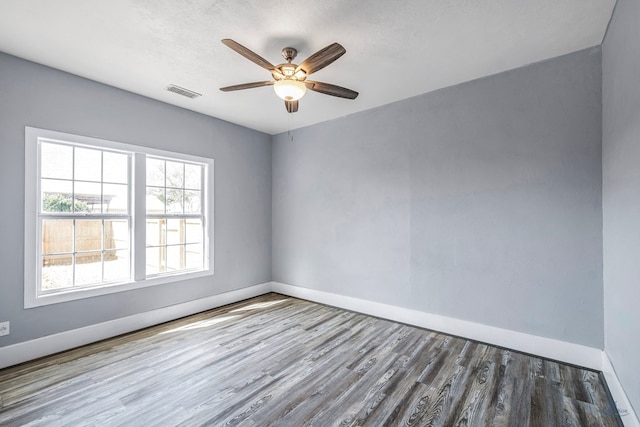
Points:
[576,354]
[623,405]
[546,347]
[29,350]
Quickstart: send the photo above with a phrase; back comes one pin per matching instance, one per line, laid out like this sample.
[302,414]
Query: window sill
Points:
[33,300]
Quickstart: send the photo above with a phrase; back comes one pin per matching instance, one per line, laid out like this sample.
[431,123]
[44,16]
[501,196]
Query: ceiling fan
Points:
[290,80]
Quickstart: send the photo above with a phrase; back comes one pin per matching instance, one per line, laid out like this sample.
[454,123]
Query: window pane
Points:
[88,165]
[193,230]
[88,235]
[88,268]
[174,200]
[175,175]
[56,161]
[116,234]
[56,186]
[88,196]
[193,255]
[155,172]
[192,202]
[155,230]
[56,196]
[175,231]
[57,236]
[116,266]
[116,198]
[155,260]
[175,258]
[155,200]
[57,272]
[192,176]
[115,167]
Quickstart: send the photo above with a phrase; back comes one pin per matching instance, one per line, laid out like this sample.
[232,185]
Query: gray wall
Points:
[621,194]
[35,95]
[480,202]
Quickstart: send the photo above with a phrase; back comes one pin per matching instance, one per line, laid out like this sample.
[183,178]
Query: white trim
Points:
[29,350]
[627,414]
[576,354]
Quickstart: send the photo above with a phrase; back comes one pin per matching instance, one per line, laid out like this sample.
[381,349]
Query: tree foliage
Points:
[56,202]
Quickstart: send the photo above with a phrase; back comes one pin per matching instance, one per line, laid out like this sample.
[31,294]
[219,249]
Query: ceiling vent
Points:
[182,91]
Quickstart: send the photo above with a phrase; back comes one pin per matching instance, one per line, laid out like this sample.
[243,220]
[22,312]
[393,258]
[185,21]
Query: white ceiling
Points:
[395,50]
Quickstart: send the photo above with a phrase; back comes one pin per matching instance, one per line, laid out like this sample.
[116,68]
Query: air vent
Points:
[182,91]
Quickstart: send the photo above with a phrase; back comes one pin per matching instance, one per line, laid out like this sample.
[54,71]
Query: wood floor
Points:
[280,361]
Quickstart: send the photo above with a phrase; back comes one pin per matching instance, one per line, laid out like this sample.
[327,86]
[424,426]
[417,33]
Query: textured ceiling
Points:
[395,50]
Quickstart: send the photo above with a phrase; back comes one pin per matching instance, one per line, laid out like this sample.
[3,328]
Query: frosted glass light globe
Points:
[290,90]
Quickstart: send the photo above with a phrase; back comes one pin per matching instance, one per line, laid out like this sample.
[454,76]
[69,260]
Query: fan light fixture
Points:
[290,90]
[290,80]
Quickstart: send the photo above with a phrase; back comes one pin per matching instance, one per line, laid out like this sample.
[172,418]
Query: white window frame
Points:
[33,297]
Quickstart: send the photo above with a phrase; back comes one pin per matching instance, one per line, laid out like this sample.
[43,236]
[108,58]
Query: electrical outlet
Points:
[4,328]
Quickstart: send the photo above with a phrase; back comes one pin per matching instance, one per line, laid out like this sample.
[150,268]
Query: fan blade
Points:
[246,86]
[249,54]
[291,106]
[333,90]
[321,58]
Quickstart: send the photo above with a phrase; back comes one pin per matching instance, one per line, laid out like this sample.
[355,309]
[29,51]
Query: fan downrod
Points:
[289,54]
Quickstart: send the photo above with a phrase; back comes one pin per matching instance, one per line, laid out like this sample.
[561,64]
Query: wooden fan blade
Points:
[291,106]
[246,86]
[333,90]
[249,54]
[322,58]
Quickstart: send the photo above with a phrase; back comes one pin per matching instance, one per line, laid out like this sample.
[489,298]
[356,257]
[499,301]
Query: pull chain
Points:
[290,127]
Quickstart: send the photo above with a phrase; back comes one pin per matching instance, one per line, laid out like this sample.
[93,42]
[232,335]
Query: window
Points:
[105,217]
[174,216]
[84,218]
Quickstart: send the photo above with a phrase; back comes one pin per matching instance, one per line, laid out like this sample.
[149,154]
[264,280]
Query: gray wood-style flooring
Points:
[281,361]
